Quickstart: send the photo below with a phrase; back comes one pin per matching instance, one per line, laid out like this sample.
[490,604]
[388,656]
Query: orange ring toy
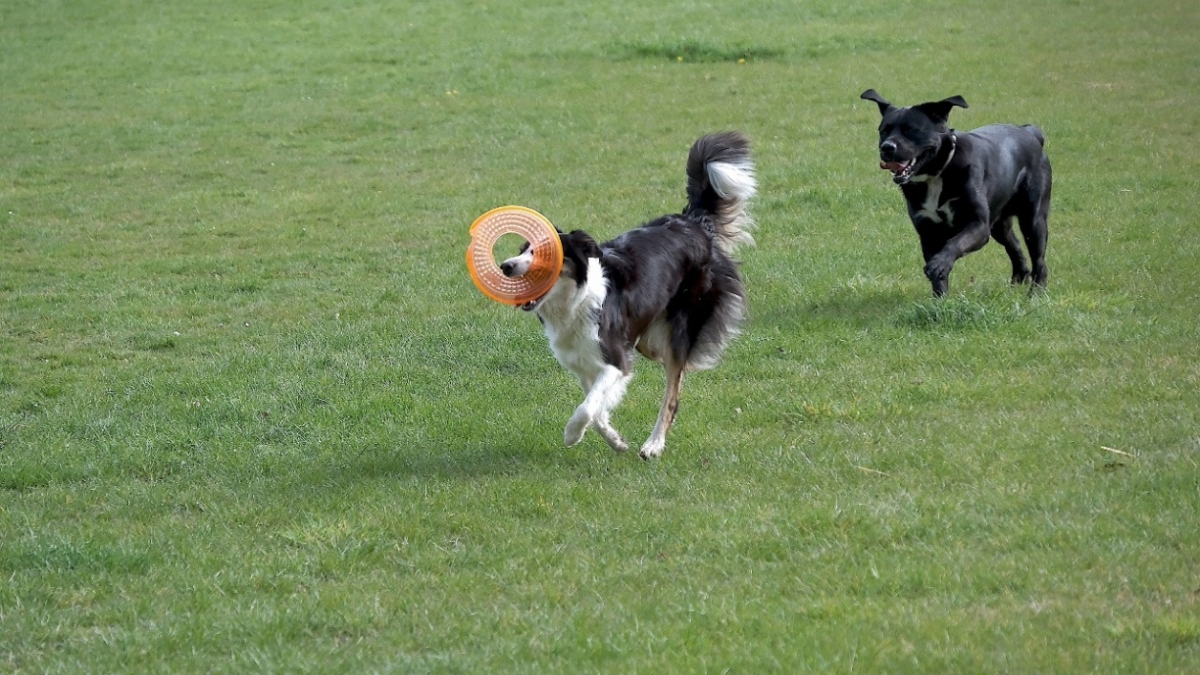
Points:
[544,244]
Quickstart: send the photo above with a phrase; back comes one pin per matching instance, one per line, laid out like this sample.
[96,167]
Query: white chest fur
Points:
[569,314]
[930,208]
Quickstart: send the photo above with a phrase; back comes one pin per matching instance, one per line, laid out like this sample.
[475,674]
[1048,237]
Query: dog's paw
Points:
[576,427]
[938,268]
[610,435]
[938,272]
[616,442]
[1039,274]
[651,449]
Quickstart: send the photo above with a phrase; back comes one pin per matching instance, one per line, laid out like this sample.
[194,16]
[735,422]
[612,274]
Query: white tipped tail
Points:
[720,184]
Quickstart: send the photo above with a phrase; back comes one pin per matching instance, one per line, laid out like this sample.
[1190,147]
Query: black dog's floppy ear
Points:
[939,111]
[956,100]
[872,95]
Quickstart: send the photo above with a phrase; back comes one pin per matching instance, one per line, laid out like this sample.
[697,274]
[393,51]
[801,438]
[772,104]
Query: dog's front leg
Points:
[610,435]
[606,391]
[939,264]
[602,419]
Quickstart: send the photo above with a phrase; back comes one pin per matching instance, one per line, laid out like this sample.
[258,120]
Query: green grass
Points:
[696,51]
[254,417]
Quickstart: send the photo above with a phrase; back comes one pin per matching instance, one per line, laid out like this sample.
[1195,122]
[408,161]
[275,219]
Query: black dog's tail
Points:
[1037,133]
[720,183]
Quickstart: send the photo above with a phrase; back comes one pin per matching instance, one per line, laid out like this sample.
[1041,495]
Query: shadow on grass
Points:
[455,462]
[856,309]
[980,309]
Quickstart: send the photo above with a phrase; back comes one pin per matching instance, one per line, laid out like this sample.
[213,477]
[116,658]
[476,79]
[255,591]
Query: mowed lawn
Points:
[255,418]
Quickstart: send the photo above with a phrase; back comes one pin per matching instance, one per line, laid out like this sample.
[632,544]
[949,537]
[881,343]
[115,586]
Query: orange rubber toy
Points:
[544,244]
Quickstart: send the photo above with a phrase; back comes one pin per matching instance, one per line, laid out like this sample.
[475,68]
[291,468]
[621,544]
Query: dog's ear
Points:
[578,246]
[939,111]
[872,95]
[583,243]
[956,100]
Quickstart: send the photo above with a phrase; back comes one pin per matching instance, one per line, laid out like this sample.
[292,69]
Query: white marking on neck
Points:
[930,209]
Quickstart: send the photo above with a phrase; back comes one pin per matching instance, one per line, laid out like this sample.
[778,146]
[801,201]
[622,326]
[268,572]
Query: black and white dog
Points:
[962,187]
[669,289]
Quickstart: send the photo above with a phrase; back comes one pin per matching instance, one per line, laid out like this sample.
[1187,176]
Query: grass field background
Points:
[254,417]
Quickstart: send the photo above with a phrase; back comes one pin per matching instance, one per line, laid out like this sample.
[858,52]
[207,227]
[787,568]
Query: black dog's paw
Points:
[1020,277]
[938,268]
[1039,275]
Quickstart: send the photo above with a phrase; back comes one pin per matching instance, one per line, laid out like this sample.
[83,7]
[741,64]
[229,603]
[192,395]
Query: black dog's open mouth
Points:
[902,172]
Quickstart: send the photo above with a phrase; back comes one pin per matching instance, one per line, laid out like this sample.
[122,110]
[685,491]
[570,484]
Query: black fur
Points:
[673,268]
[961,187]
[671,290]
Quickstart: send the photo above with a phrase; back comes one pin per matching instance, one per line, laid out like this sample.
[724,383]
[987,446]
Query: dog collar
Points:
[950,157]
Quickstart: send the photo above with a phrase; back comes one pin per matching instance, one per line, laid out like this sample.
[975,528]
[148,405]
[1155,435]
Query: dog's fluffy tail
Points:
[720,183]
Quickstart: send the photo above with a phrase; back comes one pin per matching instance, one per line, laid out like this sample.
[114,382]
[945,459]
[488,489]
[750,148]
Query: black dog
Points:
[961,187]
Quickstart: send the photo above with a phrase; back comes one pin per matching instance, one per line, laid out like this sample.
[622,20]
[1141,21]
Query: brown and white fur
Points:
[668,289]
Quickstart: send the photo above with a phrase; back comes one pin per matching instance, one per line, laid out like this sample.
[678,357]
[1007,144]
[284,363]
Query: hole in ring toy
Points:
[544,246]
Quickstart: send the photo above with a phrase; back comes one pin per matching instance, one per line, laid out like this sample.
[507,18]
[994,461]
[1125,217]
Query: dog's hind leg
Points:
[1002,232]
[653,446]
[605,393]
[1034,230]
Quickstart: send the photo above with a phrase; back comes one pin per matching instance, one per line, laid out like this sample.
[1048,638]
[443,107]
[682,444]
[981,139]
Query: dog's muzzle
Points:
[902,172]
